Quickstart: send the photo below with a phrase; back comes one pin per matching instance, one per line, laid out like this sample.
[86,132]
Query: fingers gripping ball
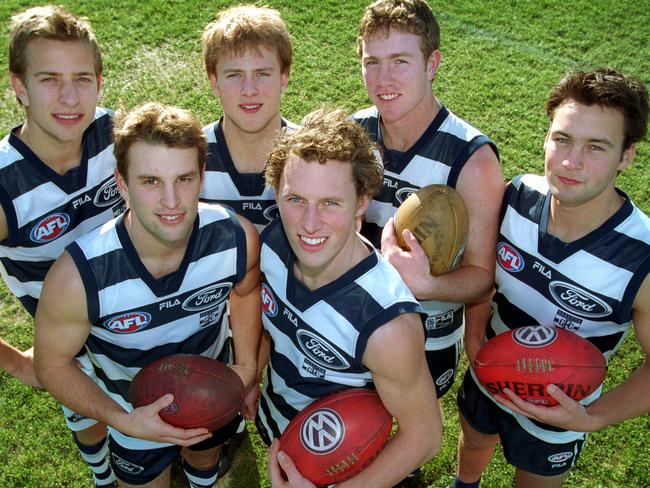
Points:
[527,359]
[337,436]
[437,217]
[207,393]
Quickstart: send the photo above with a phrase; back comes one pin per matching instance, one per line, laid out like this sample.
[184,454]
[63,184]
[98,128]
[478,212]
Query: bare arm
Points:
[477,315]
[18,364]
[481,185]
[61,330]
[628,400]
[246,311]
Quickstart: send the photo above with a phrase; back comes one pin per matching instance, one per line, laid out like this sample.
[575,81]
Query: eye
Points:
[370,62]
[594,147]
[84,79]
[186,179]
[331,203]
[149,181]
[232,76]
[561,140]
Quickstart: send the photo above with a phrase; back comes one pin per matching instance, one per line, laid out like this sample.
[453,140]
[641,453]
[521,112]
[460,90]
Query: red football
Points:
[527,359]
[207,393]
[337,436]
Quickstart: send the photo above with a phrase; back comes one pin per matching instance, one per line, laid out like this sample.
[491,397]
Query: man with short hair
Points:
[56,176]
[247,55]
[425,143]
[573,230]
[325,286]
[149,262]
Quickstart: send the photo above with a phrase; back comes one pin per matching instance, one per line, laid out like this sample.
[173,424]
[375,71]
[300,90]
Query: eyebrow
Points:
[56,73]
[604,141]
[240,70]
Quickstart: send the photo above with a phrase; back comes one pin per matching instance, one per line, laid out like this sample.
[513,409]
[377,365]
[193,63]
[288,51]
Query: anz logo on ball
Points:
[128,322]
[320,351]
[509,258]
[578,301]
[107,195]
[207,297]
[269,305]
[322,432]
[403,193]
[535,335]
[50,228]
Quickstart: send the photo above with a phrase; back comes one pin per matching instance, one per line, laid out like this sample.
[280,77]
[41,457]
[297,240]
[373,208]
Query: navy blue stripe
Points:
[88,280]
[25,271]
[30,304]
[10,215]
[112,268]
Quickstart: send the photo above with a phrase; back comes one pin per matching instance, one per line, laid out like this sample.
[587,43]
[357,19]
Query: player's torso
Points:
[137,318]
[46,211]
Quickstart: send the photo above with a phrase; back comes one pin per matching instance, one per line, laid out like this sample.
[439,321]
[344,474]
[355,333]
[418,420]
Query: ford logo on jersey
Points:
[207,297]
[403,193]
[271,212]
[269,305]
[107,195]
[509,258]
[128,322]
[578,301]
[50,228]
[320,351]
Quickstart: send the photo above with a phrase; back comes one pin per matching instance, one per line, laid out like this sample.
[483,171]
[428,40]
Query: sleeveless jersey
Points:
[437,157]
[246,193]
[319,336]
[136,318]
[586,286]
[46,211]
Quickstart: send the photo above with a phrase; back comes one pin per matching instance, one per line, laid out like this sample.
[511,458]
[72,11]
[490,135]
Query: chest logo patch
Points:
[207,297]
[128,323]
[269,305]
[107,195]
[271,212]
[509,258]
[50,228]
[320,351]
[578,301]
[403,193]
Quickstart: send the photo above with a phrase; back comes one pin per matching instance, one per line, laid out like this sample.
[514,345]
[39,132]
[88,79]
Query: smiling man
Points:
[572,230]
[336,313]
[247,55]
[56,176]
[149,263]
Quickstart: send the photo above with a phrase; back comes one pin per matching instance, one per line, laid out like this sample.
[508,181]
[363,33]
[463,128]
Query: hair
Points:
[329,135]
[48,22]
[412,16]
[247,27]
[608,88]
[155,123]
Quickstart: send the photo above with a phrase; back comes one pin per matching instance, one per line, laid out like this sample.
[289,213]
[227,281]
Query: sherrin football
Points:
[207,393]
[527,359]
[337,436]
[437,216]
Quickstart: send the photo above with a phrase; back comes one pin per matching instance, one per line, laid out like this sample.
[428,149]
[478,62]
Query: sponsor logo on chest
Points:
[509,258]
[207,297]
[320,351]
[578,301]
[128,323]
[50,228]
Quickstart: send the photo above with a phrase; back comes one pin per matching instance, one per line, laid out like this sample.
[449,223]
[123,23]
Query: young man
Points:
[336,313]
[171,264]
[56,175]
[424,143]
[247,54]
[573,252]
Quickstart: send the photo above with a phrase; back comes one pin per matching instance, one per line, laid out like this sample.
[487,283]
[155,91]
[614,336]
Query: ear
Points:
[20,89]
[627,157]
[284,81]
[99,84]
[433,63]
[214,84]
[121,185]
[362,205]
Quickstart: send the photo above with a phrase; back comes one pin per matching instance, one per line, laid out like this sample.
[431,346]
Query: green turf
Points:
[499,60]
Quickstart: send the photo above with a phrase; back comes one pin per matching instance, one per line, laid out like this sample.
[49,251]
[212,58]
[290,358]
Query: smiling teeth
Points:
[170,218]
[392,96]
[312,241]
[68,116]
[250,107]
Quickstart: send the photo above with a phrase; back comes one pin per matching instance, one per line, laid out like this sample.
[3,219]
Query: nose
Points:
[311,220]
[169,198]
[249,85]
[384,73]
[68,94]
[575,158]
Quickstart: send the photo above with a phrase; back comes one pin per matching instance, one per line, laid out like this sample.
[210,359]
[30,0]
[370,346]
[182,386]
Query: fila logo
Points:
[534,335]
[509,258]
[403,193]
[322,431]
[269,305]
[578,301]
[128,322]
[50,228]
[107,195]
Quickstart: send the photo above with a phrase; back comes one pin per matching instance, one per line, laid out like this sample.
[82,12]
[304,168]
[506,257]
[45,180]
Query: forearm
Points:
[477,315]
[18,364]
[466,284]
[246,326]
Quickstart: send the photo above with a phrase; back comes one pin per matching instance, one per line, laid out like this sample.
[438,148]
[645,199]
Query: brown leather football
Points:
[437,216]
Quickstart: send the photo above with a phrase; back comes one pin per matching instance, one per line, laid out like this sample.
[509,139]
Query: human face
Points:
[318,204]
[250,86]
[162,193]
[59,90]
[584,151]
[398,77]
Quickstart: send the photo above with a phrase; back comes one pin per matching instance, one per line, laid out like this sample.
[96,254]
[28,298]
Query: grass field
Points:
[499,60]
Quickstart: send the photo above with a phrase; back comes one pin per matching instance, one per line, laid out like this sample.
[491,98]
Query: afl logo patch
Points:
[322,432]
[50,228]
[128,323]
[534,335]
[107,195]
[207,297]
[269,305]
[509,258]
[403,193]
[578,301]
[271,212]
[320,351]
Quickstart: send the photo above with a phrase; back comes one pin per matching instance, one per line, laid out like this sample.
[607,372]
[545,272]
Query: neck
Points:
[250,151]
[402,134]
[572,222]
[58,155]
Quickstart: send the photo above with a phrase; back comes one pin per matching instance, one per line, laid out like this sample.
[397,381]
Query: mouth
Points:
[312,241]
[568,181]
[388,97]
[250,107]
[68,118]
[171,218]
